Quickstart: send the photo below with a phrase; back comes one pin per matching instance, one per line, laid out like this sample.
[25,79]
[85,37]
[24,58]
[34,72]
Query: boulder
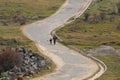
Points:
[104,50]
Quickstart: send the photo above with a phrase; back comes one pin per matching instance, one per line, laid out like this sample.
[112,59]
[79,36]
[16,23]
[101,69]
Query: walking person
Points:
[54,39]
[50,40]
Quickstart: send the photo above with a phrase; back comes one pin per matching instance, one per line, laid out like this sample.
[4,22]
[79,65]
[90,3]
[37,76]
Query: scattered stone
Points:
[48,67]
[4,23]
[37,17]
[104,50]
[32,63]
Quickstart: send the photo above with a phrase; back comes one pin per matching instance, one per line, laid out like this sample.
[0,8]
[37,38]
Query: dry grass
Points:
[28,8]
[86,35]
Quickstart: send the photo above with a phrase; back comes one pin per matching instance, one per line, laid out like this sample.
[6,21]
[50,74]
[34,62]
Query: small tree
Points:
[95,18]
[86,16]
[111,18]
[9,58]
[118,8]
[118,26]
[102,16]
[21,19]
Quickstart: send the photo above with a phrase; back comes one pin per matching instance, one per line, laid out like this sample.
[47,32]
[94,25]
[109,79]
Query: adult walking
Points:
[54,39]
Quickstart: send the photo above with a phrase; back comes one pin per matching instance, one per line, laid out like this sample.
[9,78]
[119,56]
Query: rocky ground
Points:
[32,64]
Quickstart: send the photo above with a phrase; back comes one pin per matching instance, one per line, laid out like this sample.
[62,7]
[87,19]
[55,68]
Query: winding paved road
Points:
[71,65]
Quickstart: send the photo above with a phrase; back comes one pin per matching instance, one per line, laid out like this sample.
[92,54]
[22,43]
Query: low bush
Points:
[12,41]
[8,59]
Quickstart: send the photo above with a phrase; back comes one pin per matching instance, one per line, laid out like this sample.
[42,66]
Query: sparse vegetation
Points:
[86,16]
[30,9]
[9,41]
[101,28]
[113,67]
[14,13]
[118,8]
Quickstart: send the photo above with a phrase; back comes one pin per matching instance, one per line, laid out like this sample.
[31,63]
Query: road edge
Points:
[100,64]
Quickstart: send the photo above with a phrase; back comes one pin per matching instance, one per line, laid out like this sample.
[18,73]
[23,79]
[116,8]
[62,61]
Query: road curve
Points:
[71,65]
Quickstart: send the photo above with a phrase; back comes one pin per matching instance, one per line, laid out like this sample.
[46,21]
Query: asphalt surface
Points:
[71,65]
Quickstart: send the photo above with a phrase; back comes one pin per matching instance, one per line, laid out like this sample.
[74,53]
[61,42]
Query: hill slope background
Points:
[99,25]
[13,11]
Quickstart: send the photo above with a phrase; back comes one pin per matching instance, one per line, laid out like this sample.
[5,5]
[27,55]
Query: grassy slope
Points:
[89,35]
[113,71]
[85,35]
[28,8]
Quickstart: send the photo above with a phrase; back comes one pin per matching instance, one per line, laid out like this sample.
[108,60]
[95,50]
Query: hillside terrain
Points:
[99,25]
[14,14]
[31,9]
